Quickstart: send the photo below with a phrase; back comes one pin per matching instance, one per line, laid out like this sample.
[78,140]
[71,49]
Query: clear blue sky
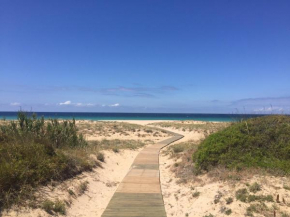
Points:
[145,56]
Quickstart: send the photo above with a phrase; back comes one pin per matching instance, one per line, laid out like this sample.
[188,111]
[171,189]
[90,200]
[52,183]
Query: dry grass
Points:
[260,196]
[109,128]
[203,127]
[35,151]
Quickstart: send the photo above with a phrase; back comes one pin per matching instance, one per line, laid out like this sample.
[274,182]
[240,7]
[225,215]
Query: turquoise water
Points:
[133,116]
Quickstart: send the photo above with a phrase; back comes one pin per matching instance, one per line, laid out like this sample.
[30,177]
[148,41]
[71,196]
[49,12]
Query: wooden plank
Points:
[146,166]
[138,205]
[139,194]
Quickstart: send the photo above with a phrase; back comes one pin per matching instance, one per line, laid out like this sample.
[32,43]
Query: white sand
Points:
[101,187]
[179,200]
[102,183]
[178,197]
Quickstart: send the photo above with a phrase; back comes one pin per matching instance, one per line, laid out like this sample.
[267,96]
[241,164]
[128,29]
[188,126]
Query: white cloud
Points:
[15,104]
[65,103]
[269,109]
[83,104]
[115,105]
[79,104]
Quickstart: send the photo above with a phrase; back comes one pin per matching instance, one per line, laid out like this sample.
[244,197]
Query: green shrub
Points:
[83,187]
[242,195]
[196,194]
[57,207]
[47,205]
[256,208]
[229,200]
[255,187]
[261,198]
[259,142]
[116,150]
[101,157]
[33,152]
[210,215]
[228,212]
[177,149]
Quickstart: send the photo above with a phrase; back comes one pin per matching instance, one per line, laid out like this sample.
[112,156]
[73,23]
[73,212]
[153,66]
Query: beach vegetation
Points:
[260,208]
[177,148]
[34,151]
[255,187]
[196,194]
[204,127]
[109,128]
[262,142]
[117,144]
[244,196]
[228,212]
[71,192]
[229,200]
[209,215]
[83,186]
[57,207]
[101,157]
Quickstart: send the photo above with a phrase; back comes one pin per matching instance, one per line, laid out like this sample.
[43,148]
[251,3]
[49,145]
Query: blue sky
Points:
[145,56]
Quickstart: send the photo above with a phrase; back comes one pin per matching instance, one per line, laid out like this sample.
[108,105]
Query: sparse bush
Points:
[209,215]
[101,157]
[116,144]
[59,207]
[56,207]
[242,195]
[256,208]
[229,200]
[83,187]
[177,149]
[255,187]
[228,212]
[47,205]
[261,198]
[116,150]
[148,131]
[196,194]
[71,192]
[216,200]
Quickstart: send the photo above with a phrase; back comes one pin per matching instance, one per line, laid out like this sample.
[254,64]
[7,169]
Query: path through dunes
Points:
[139,194]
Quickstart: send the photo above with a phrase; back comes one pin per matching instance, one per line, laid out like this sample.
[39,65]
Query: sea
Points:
[102,116]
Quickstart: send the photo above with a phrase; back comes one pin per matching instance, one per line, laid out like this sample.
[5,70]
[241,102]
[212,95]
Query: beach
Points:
[183,193]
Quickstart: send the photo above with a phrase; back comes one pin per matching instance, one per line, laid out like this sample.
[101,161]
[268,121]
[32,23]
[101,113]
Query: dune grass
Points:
[33,152]
[206,127]
[262,142]
[109,128]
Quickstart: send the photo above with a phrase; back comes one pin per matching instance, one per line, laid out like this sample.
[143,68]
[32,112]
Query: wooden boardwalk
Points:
[139,194]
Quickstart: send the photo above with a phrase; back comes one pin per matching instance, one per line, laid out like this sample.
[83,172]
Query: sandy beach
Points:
[204,195]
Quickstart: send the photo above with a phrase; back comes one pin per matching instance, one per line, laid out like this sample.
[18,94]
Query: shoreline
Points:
[134,116]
